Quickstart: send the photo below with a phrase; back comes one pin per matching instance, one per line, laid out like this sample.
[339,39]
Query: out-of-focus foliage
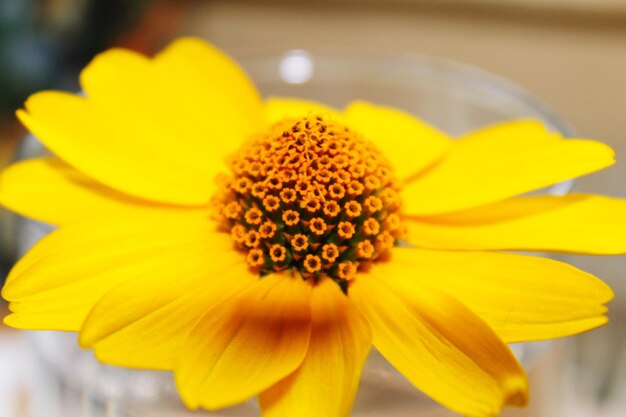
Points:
[44,43]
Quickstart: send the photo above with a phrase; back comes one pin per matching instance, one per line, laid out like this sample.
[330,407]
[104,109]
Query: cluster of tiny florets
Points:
[310,195]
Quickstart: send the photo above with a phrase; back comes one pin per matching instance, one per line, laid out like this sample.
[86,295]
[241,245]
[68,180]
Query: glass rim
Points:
[469,76]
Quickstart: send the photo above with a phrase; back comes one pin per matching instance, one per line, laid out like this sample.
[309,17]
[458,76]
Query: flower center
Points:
[311,195]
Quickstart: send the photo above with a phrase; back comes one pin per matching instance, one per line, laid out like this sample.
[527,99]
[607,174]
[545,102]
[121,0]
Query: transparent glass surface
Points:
[454,97]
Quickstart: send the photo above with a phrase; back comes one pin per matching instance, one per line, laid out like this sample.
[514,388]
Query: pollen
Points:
[310,195]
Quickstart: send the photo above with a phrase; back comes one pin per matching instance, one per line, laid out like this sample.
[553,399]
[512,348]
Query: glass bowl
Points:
[454,97]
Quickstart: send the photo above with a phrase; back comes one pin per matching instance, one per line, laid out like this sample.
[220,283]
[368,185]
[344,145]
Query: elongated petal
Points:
[213,95]
[279,108]
[145,126]
[326,382]
[573,223]
[246,344]
[191,93]
[144,321]
[33,188]
[492,165]
[410,144]
[87,139]
[440,345]
[522,298]
[56,283]
[513,135]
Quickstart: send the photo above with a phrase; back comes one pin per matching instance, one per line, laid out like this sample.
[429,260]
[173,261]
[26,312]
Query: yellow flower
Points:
[251,246]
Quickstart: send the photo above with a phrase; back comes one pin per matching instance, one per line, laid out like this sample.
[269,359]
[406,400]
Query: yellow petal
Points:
[410,144]
[154,128]
[62,277]
[490,166]
[32,189]
[522,298]
[246,344]
[573,223]
[192,93]
[111,151]
[514,135]
[143,321]
[279,108]
[326,382]
[439,345]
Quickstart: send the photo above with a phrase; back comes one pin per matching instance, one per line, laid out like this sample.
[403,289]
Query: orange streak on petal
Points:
[326,382]
[246,344]
[442,348]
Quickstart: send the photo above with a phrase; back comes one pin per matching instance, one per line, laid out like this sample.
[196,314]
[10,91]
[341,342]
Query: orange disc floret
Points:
[271,203]
[267,229]
[345,230]
[311,204]
[312,264]
[365,249]
[311,195]
[346,270]
[331,208]
[254,216]
[353,209]
[232,210]
[255,257]
[330,252]
[384,240]
[317,226]
[288,195]
[238,232]
[258,190]
[373,204]
[242,185]
[291,217]
[371,227]
[278,253]
[300,242]
[342,176]
[252,238]
[355,188]
[337,191]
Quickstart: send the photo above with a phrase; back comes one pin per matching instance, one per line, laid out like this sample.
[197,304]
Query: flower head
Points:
[294,162]
[260,248]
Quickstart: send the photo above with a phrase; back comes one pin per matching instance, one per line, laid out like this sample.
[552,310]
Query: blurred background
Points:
[569,53]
